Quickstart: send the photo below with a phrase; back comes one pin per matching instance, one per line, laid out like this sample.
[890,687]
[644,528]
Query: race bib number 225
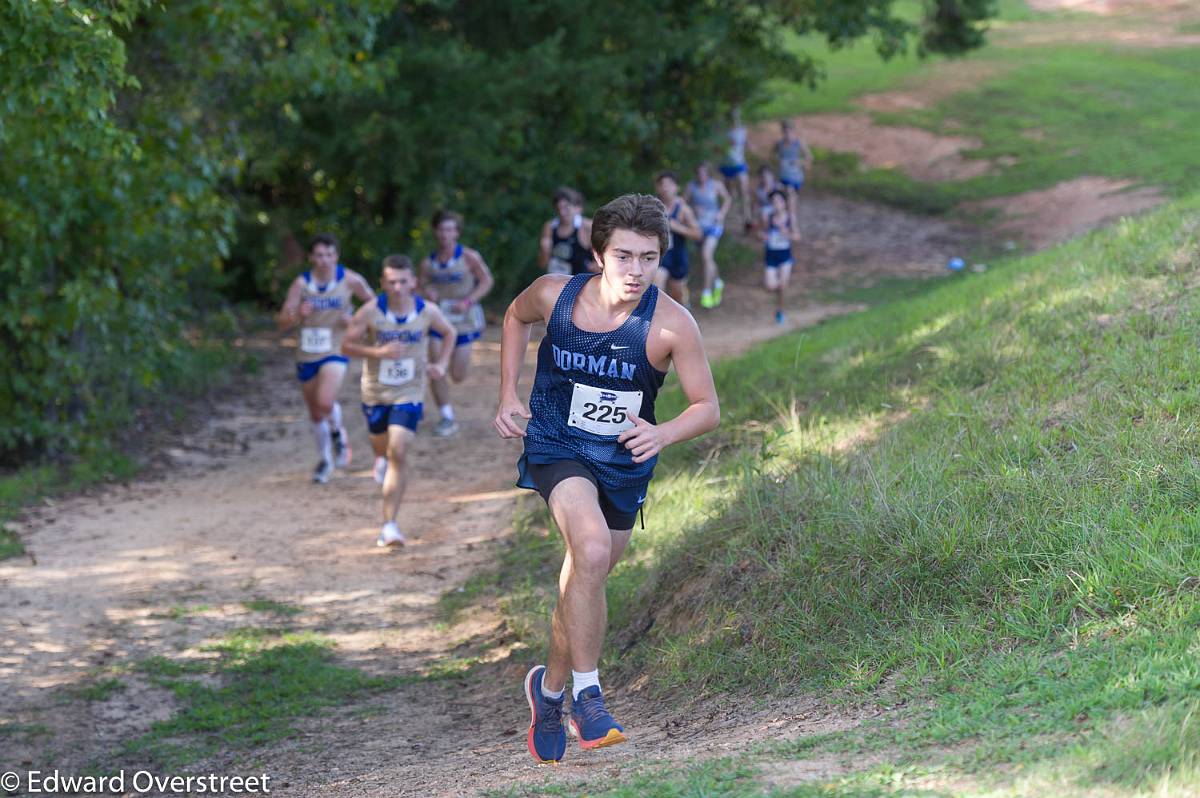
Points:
[601,411]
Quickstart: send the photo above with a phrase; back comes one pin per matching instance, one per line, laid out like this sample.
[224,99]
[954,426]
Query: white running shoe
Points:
[322,472]
[380,469]
[390,535]
[341,449]
[445,428]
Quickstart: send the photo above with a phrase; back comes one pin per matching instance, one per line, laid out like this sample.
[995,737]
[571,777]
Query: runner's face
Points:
[323,257]
[779,204]
[447,234]
[702,173]
[566,211]
[398,284]
[667,190]
[629,263]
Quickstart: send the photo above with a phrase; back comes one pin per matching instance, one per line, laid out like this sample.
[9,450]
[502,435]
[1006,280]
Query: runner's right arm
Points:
[439,324]
[426,282]
[353,341]
[532,305]
[293,310]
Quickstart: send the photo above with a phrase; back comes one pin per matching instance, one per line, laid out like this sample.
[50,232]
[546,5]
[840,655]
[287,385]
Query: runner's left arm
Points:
[425,283]
[687,225]
[361,288]
[361,291]
[439,324]
[483,277]
[793,217]
[354,341]
[726,201]
[703,413]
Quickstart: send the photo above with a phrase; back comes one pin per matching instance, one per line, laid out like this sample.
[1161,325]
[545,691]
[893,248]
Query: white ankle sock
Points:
[335,417]
[447,412]
[581,680]
[551,695]
[324,441]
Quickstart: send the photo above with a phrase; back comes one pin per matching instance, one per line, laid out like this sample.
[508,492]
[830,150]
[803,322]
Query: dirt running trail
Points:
[159,566]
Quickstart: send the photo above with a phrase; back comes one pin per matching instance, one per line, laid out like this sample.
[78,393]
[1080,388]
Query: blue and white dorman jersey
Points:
[321,331]
[587,384]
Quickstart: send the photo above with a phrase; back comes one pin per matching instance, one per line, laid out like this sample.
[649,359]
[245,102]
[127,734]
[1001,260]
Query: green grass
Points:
[98,690]
[35,483]
[987,494]
[272,607]
[258,682]
[1054,111]
[1060,110]
[857,69]
[182,612]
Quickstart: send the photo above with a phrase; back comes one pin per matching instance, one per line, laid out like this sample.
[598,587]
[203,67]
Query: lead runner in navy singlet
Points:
[593,439]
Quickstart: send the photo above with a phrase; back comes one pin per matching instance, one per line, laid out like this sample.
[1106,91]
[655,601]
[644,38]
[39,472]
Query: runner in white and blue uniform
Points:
[391,335]
[673,273]
[794,157]
[593,438]
[737,174]
[710,201]
[456,278]
[762,193]
[781,230]
[565,247]
[319,303]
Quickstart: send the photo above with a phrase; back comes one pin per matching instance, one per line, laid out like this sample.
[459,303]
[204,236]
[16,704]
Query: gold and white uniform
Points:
[397,381]
[455,281]
[322,330]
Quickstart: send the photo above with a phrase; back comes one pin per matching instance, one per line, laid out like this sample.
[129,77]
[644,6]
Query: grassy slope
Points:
[989,494]
[1061,111]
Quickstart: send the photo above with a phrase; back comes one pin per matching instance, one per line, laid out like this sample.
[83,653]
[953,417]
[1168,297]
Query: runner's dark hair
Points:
[324,239]
[569,194]
[443,215]
[640,213]
[398,262]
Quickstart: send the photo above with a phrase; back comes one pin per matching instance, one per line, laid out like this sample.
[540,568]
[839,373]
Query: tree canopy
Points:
[160,158]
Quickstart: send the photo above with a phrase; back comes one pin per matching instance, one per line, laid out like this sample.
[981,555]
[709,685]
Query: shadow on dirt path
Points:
[161,565]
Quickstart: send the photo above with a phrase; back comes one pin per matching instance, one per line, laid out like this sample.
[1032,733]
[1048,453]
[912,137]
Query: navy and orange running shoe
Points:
[547,738]
[592,723]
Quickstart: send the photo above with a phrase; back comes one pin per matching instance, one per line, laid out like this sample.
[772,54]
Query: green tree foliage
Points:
[105,230]
[140,140]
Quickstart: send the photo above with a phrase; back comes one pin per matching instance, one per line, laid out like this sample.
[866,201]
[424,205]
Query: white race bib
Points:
[601,411]
[456,318]
[396,372]
[316,340]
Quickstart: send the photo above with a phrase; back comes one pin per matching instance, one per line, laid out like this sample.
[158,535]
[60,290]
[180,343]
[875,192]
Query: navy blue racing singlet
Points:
[585,386]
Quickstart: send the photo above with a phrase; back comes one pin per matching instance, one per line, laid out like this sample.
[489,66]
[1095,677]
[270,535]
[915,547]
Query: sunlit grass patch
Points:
[248,693]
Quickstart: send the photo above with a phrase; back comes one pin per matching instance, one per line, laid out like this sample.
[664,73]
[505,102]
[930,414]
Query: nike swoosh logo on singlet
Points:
[614,346]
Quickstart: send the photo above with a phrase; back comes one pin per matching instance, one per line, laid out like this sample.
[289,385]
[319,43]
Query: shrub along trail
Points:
[222,614]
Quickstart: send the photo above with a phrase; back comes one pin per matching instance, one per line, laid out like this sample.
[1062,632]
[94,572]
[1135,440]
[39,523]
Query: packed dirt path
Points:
[227,515]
